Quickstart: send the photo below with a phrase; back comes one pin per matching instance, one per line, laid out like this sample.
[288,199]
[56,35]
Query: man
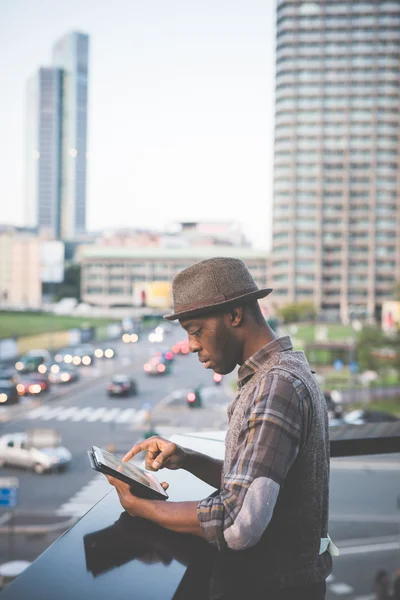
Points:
[272,503]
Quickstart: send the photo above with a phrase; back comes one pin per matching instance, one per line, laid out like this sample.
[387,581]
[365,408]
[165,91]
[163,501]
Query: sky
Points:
[181,108]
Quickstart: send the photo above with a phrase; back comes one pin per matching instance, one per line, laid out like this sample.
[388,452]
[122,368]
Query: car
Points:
[165,354]
[105,352]
[33,361]
[77,355]
[130,337]
[63,373]
[335,409]
[157,365]
[39,450]
[8,374]
[8,392]
[181,347]
[360,417]
[32,384]
[122,385]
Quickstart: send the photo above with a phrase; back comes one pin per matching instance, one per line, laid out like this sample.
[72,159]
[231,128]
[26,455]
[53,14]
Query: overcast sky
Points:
[181,105]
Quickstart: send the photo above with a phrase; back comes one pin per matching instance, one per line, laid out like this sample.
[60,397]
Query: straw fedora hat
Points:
[212,283]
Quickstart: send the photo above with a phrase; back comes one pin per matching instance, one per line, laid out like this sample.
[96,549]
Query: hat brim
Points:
[256,295]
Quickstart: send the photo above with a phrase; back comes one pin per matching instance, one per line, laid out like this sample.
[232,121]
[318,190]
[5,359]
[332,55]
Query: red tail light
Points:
[217,377]
[169,355]
[161,368]
[147,367]
[191,397]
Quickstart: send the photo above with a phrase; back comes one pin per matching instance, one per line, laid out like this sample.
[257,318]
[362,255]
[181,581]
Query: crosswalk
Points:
[88,414]
[85,498]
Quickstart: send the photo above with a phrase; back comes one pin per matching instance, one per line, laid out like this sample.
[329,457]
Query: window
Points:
[116,290]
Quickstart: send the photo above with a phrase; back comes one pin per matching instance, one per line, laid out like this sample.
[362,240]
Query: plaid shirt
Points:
[273,430]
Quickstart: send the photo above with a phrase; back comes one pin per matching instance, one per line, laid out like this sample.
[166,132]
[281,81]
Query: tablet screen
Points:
[128,469]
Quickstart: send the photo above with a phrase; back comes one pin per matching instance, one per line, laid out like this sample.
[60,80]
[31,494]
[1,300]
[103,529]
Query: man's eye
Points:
[196,333]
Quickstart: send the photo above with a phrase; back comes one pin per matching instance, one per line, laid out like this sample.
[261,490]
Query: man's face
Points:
[214,341]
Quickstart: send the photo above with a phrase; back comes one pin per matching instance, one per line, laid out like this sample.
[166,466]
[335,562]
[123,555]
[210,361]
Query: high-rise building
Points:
[43,151]
[71,54]
[57,140]
[336,219]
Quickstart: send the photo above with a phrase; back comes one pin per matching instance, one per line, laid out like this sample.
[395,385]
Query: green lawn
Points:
[390,406]
[13,324]
[306,332]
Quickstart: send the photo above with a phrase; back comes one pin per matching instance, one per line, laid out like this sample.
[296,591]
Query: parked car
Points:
[82,354]
[38,451]
[122,385]
[181,347]
[8,392]
[360,417]
[165,354]
[8,374]
[157,365]
[63,373]
[105,352]
[32,383]
[335,409]
[33,361]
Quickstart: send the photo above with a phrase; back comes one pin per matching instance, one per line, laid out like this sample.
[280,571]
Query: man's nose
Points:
[194,346]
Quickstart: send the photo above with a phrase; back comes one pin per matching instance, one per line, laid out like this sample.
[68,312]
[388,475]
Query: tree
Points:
[71,286]
[296,312]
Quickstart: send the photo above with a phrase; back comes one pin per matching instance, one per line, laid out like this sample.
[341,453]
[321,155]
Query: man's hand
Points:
[160,453]
[132,504]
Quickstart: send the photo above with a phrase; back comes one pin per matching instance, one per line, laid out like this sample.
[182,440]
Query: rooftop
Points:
[200,252]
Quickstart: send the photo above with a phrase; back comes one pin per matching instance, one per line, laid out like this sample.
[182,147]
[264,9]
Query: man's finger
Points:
[162,458]
[141,447]
[164,485]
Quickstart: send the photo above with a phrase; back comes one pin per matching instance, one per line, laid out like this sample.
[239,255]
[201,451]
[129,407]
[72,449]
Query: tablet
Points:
[143,484]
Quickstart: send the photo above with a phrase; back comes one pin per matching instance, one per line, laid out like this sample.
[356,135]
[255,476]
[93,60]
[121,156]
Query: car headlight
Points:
[109,353]
[126,338]
[55,369]
[68,358]
[19,365]
[99,353]
[20,388]
[3,397]
[42,369]
[134,338]
[65,377]
[86,360]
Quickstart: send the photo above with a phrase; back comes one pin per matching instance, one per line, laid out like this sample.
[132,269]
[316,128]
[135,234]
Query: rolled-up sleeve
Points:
[267,446]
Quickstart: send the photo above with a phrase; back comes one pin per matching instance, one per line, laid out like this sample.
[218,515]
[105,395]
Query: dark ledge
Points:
[109,554]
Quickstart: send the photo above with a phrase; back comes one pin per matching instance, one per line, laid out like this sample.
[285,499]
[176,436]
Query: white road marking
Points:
[340,588]
[96,414]
[89,414]
[53,412]
[360,465]
[111,415]
[67,413]
[126,415]
[367,548]
[86,497]
[82,414]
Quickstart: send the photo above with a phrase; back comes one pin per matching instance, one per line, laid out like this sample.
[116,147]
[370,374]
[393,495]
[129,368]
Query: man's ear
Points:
[236,314]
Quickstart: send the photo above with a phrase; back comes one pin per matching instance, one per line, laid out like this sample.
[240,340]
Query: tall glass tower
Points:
[44,151]
[71,54]
[336,223]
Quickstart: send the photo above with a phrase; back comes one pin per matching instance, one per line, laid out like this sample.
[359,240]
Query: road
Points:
[364,503]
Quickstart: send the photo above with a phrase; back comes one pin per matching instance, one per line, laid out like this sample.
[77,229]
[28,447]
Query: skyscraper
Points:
[57,140]
[71,54]
[336,219]
[44,151]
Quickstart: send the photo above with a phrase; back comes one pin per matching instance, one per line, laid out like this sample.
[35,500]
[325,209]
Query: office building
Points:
[336,218]
[57,140]
[111,275]
[44,151]
[71,54]
[20,282]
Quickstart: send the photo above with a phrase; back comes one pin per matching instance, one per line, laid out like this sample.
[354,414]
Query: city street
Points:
[365,492]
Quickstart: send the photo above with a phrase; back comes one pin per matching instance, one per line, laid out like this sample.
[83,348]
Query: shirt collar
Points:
[252,364]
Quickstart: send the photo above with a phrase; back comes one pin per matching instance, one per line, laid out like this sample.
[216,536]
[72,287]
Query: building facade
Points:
[20,283]
[336,219]
[110,274]
[71,54]
[44,151]
[57,142]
